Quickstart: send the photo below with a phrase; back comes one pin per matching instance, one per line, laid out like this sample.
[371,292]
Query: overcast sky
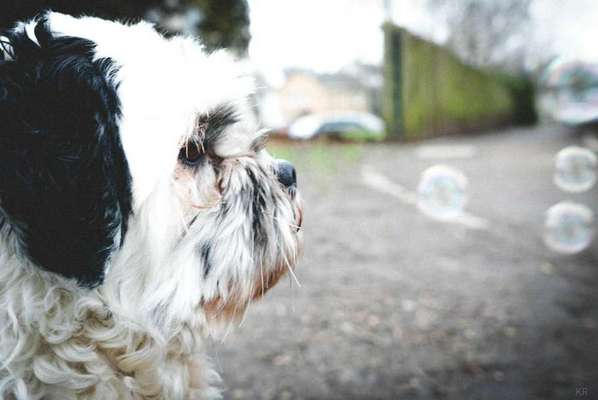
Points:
[326,34]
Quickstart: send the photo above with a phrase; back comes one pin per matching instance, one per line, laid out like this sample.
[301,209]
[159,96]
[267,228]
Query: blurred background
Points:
[446,150]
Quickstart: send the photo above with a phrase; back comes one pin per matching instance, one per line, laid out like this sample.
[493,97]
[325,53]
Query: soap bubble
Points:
[575,169]
[442,192]
[568,227]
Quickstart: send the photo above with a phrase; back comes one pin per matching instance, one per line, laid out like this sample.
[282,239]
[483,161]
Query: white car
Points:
[351,125]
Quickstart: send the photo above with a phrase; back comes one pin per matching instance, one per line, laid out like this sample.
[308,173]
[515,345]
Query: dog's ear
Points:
[64,180]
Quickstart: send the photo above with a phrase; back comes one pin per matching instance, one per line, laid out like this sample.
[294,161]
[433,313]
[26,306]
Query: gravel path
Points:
[394,305]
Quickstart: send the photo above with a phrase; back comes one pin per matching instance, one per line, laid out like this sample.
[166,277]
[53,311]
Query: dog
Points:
[139,210]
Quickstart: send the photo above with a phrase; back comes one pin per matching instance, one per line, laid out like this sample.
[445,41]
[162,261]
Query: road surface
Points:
[394,305]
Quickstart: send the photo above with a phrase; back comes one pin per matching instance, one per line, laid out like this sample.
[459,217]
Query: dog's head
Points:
[132,163]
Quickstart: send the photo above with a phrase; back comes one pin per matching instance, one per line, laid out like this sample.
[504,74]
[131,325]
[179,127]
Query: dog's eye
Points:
[191,154]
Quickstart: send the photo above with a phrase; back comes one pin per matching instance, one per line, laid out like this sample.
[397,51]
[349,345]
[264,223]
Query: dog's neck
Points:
[75,341]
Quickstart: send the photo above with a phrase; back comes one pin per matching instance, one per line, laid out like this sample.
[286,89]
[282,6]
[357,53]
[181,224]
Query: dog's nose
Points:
[285,172]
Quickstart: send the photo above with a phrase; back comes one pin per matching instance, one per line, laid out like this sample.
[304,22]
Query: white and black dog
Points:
[138,210]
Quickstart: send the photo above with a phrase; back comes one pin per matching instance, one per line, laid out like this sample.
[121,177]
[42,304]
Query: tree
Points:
[225,23]
[219,23]
[487,33]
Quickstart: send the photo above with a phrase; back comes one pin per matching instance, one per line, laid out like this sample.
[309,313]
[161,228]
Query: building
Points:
[355,88]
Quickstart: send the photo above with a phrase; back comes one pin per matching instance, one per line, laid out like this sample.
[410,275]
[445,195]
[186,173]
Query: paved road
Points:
[394,305]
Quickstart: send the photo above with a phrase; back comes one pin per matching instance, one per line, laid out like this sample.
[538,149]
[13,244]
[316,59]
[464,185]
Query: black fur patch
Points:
[64,180]
[205,253]
[257,209]
[215,122]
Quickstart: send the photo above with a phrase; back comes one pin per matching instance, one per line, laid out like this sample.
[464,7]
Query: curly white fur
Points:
[58,341]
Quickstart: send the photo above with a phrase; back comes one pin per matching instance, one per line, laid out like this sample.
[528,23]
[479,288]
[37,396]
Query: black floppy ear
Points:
[64,180]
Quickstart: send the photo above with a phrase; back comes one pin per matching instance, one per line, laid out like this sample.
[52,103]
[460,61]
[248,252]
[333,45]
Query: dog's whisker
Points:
[182,221]
[229,328]
[294,226]
[262,278]
[244,314]
[199,207]
[209,205]
[291,272]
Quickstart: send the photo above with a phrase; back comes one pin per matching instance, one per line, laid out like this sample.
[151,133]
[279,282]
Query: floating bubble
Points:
[442,192]
[568,227]
[575,169]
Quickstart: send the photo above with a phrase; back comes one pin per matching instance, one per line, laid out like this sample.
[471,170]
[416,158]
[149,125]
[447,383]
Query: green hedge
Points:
[428,91]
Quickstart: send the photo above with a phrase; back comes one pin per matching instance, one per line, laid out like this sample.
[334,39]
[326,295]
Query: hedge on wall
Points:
[428,91]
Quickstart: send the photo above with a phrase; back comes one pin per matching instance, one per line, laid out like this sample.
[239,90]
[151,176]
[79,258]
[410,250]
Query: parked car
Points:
[349,126]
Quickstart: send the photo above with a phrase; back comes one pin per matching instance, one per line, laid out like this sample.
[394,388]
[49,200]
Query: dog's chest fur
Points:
[76,344]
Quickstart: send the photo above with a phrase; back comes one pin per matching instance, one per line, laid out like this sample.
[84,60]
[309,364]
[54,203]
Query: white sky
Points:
[325,35]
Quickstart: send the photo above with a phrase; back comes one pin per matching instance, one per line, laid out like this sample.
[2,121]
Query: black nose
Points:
[285,172]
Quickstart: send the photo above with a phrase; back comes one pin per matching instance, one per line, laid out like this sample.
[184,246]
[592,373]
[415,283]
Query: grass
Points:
[362,136]
[322,158]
